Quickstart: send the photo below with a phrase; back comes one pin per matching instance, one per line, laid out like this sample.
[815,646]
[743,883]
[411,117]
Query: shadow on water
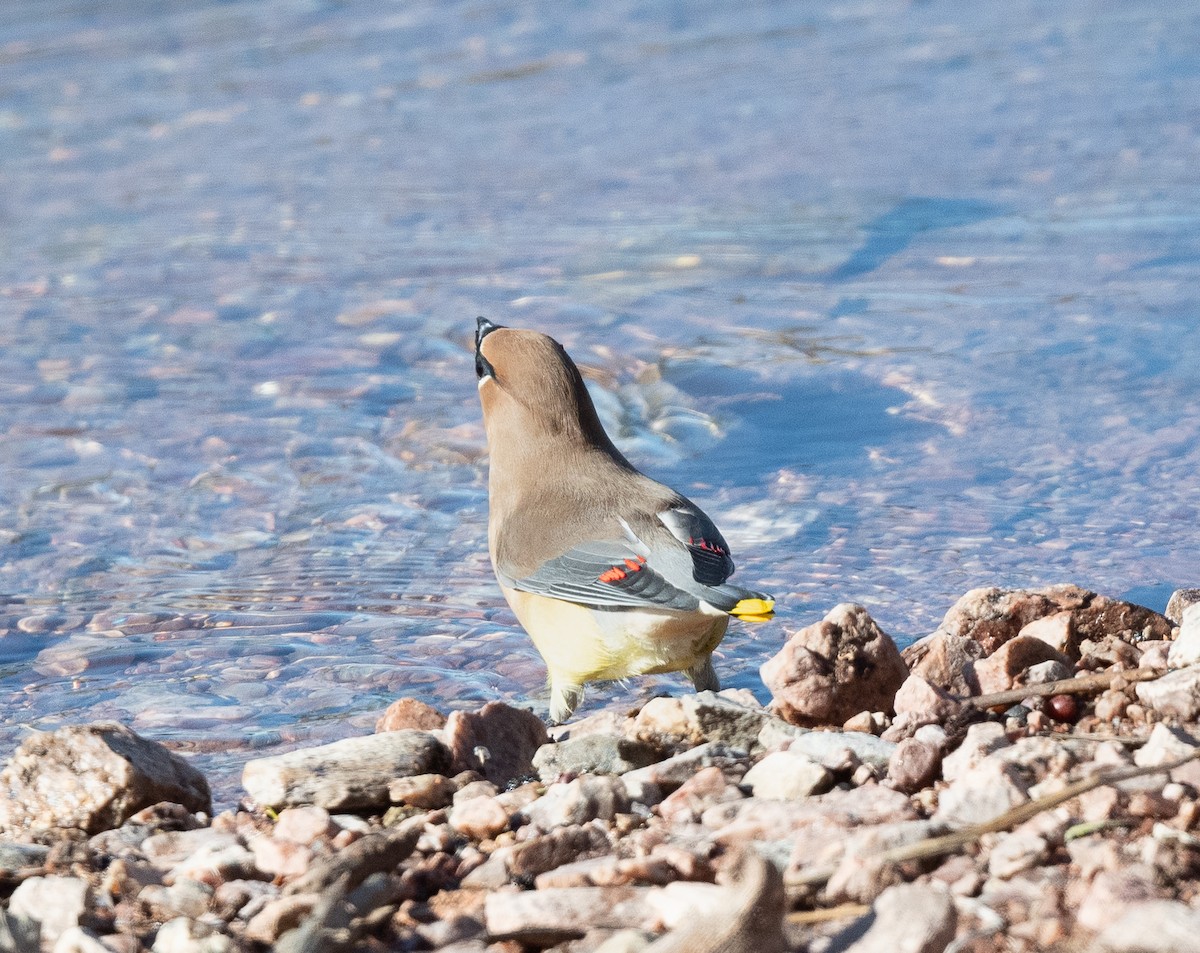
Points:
[894,230]
[827,422]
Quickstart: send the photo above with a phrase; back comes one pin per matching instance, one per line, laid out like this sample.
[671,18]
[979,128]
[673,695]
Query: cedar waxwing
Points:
[611,573]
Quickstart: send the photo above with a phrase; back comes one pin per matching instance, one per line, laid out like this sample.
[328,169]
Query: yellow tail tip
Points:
[754,610]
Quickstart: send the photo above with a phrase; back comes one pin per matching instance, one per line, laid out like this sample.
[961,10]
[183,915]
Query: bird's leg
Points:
[704,677]
[564,699]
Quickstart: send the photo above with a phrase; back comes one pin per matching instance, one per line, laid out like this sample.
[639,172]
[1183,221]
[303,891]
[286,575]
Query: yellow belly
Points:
[580,644]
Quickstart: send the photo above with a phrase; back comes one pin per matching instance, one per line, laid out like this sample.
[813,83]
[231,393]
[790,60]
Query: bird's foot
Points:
[704,676]
[564,699]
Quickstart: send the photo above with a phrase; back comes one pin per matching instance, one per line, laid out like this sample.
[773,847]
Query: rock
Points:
[1111,894]
[787,775]
[280,857]
[546,917]
[93,777]
[479,818]
[1001,670]
[834,669]
[304,825]
[410,713]
[594,754]
[1175,695]
[697,794]
[914,918]
[185,935]
[746,917]
[498,741]
[1015,852]
[1151,926]
[1056,630]
[579,801]
[78,940]
[919,702]
[544,852]
[186,898]
[981,740]
[278,916]
[1180,600]
[981,794]
[609,871]
[350,774]
[738,822]
[425,791]
[650,784]
[992,616]
[1045,672]
[49,906]
[914,765]
[1185,650]
[946,661]
[216,865]
[860,875]
[837,751]
[169,848]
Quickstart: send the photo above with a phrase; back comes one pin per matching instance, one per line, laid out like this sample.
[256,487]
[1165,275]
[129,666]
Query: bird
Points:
[611,573]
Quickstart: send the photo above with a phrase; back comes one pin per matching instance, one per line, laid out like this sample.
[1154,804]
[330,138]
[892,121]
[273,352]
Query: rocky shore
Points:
[1024,778]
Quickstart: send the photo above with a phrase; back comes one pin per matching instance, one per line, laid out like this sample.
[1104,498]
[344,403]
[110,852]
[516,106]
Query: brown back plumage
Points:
[555,477]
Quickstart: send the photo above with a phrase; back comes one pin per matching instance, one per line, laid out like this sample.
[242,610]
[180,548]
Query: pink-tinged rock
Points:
[1056,630]
[303,825]
[740,822]
[1016,852]
[924,701]
[834,669]
[498,741]
[914,765]
[1175,695]
[982,794]
[278,916]
[706,787]
[945,660]
[546,917]
[1156,654]
[1001,670]
[651,784]
[425,791]
[610,872]
[992,616]
[280,858]
[93,777]
[915,918]
[479,818]
[410,713]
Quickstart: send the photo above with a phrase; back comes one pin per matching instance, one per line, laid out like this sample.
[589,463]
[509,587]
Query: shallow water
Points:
[904,294]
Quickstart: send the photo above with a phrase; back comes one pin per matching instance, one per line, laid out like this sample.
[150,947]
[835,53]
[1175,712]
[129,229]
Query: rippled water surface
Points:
[905,294]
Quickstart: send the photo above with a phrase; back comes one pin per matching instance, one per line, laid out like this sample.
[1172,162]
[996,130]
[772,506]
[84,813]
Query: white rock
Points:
[1164,745]
[981,740]
[78,940]
[1154,926]
[786,776]
[1176,694]
[1015,852]
[992,788]
[183,935]
[1185,650]
[913,918]
[54,904]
